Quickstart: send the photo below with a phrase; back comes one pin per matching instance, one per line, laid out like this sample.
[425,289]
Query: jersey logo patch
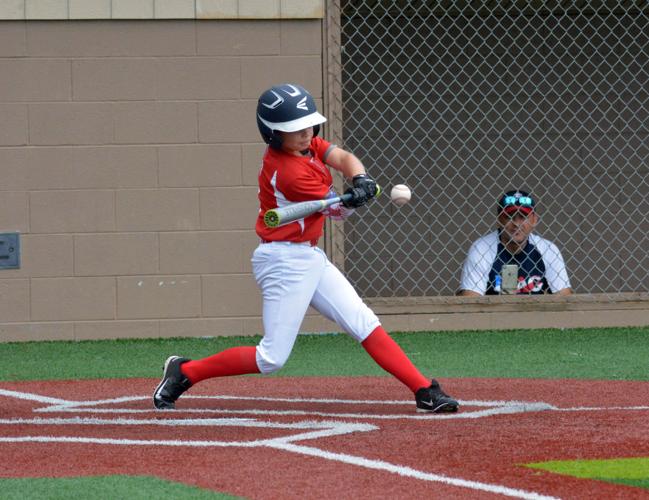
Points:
[533,284]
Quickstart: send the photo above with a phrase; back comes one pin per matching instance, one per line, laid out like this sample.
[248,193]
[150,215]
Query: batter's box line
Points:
[316,429]
[494,407]
[490,407]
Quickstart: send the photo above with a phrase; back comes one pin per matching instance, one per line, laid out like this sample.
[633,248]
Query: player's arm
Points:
[345,162]
[365,188]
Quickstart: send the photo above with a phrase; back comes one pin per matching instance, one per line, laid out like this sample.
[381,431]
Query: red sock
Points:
[233,361]
[389,356]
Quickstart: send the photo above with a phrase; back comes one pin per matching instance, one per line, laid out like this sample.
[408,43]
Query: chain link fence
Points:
[463,101]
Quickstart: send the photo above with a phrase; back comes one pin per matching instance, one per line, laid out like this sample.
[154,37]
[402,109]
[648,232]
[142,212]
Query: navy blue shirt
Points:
[541,268]
[531,270]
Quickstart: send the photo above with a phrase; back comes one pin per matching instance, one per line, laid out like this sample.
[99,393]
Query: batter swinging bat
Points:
[295,211]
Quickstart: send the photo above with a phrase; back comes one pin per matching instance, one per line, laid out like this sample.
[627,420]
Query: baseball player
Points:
[538,262]
[291,271]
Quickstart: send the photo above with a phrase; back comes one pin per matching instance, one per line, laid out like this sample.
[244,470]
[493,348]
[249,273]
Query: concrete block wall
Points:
[128,162]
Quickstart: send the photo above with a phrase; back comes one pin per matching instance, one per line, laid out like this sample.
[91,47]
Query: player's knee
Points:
[268,364]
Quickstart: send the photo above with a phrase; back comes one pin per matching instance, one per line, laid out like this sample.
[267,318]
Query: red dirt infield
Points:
[268,438]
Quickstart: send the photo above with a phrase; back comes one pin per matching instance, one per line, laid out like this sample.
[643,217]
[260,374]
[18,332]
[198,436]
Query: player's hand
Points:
[358,198]
[337,211]
[367,184]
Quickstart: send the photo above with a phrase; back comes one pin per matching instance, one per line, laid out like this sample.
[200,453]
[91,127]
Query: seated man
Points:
[512,259]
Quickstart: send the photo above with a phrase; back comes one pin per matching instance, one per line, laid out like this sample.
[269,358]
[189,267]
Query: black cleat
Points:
[433,400]
[172,385]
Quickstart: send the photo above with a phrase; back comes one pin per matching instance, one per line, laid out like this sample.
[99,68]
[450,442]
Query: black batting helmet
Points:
[286,108]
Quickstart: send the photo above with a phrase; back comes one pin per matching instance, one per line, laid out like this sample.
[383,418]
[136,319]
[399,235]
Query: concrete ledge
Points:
[500,303]
[160,9]
[510,312]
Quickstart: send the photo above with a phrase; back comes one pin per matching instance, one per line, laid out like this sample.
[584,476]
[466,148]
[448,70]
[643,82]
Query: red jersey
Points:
[284,179]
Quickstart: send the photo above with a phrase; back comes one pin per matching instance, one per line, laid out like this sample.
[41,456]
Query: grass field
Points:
[109,487]
[629,471]
[607,353]
[597,354]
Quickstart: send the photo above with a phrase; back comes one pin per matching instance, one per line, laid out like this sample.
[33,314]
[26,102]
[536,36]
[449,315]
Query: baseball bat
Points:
[295,211]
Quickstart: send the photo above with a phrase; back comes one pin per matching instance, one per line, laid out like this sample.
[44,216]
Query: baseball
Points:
[400,194]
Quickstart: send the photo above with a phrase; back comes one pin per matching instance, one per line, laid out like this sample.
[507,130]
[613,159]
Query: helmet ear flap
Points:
[269,136]
[275,141]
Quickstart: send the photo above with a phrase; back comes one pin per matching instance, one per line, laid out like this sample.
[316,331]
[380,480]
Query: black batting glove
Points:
[358,198]
[367,184]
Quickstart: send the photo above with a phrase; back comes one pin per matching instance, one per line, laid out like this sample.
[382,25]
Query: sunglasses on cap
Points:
[520,201]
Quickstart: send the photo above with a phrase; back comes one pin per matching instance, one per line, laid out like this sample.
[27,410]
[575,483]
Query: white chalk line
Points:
[36,397]
[57,401]
[410,472]
[316,430]
[607,408]
[500,410]
[492,407]
[128,442]
[189,422]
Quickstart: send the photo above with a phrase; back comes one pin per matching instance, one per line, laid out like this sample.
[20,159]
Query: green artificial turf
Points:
[102,487]
[638,483]
[627,471]
[597,353]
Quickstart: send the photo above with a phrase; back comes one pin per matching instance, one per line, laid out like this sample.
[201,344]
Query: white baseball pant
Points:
[291,277]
